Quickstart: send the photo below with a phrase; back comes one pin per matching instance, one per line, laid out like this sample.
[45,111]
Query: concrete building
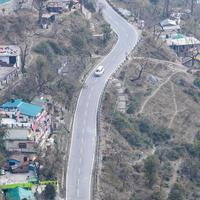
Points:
[19,114]
[181,43]
[20,140]
[10,56]
[47,19]
[169,28]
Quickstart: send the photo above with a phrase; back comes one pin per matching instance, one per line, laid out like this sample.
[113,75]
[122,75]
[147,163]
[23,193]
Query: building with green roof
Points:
[19,194]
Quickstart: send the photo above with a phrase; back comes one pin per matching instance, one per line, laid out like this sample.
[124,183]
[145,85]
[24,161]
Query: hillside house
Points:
[181,44]
[57,7]
[169,28]
[19,114]
[20,140]
[47,19]
[10,56]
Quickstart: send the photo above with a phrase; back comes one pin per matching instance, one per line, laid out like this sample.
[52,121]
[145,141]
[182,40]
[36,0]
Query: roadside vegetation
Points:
[151,150]
[54,64]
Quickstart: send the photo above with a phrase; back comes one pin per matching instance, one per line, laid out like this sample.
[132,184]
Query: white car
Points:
[99,71]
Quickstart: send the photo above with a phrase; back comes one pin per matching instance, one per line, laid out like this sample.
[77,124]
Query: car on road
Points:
[99,71]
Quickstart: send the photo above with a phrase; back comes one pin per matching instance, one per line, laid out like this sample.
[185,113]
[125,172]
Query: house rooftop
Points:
[24,108]
[48,15]
[181,40]
[171,28]
[39,101]
[168,22]
[9,50]
[18,134]
[19,193]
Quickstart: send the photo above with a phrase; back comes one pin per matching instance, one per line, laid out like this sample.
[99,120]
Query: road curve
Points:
[83,142]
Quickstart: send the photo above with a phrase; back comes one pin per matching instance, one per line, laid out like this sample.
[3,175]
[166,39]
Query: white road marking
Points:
[81,150]
[79,171]
[85,113]
[73,146]
[80,160]
[77,192]
[78,182]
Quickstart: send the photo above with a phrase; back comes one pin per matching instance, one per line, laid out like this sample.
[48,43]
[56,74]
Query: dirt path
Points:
[173,179]
[172,65]
[175,106]
[155,92]
[176,68]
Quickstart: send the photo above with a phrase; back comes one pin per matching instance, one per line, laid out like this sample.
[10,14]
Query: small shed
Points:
[47,19]
[56,7]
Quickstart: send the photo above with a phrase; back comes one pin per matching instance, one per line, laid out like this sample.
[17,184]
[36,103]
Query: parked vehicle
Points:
[2,172]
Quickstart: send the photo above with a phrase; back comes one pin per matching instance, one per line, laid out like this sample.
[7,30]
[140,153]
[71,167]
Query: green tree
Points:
[106,29]
[196,82]
[154,2]
[177,192]
[49,192]
[156,196]
[133,105]
[71,3]
[3,132]
[151,167]
[77,41]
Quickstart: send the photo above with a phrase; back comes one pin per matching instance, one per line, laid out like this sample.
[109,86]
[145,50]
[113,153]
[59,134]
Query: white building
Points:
[10,56]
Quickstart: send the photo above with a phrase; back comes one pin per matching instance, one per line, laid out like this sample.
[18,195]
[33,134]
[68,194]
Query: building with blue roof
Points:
[24,108]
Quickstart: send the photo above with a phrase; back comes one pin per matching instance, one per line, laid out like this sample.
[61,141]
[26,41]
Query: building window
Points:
[22,145]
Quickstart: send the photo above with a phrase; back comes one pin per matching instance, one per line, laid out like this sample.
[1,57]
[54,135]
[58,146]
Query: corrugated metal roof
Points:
[168,22]
[24,108]
[19,194]
[182,41]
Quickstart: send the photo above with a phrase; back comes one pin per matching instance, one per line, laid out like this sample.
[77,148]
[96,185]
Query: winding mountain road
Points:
[83,142]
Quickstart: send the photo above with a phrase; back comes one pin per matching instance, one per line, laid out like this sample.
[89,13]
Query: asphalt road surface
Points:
[83,143]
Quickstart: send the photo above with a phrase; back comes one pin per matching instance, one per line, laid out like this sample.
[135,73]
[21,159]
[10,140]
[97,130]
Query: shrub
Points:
[77,41]
[157,134]
[177,193]
[166,171]
[191,169]
[133,105]
[49,192]
[156,196]
[151,167]
[128,130]
[57,48]
[196,82]
[43,48]
[106,29]
[144,126]
[90,6]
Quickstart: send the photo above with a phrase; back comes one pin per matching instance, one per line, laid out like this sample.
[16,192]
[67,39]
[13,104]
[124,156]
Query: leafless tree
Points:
[40,6]
[101,7]
[166,8]
[24,53]
[192,6]
[142,66]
